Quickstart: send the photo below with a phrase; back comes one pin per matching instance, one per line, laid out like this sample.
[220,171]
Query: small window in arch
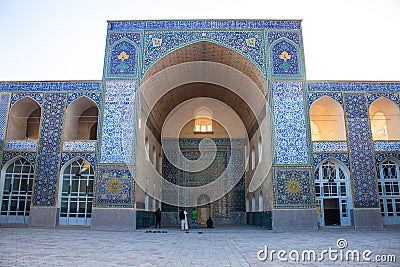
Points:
[203,121]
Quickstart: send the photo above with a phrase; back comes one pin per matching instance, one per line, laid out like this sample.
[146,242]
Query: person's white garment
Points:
[186,221]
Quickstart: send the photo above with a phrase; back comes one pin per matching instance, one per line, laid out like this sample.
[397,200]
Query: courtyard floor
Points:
[222,246]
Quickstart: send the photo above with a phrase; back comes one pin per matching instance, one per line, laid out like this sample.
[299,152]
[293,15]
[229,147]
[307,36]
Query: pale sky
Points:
[65,40]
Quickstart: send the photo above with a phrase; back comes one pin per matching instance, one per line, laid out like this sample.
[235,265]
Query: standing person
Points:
[186,220]
[158,218]
[194,218]
[182,218]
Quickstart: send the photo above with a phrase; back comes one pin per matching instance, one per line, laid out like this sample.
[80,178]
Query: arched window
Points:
[253,158]
[81,120]
[24,120]
[147,148]
[333,193]
[253,203]
[259,149]
[203,120]
[261,201]
[76,195]
[384,115]
[327,120]
[389,190]
[16,191]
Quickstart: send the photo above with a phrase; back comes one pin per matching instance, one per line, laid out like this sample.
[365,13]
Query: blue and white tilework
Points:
[50,86]
[344,86]
[248,43]
[89,157]
[361,155]
[289,123]
[312,97]
[45,185]
[38,97]
[118,123]
[79,146]
[114,188]
[329,146]
[4,102]
[292,36]
[29,156]
[318,158]
[284,57]
[93,96]
[203,24]
[293,189]
[123,59]
[386,146]
[394,97]
[20,145]
[380,157]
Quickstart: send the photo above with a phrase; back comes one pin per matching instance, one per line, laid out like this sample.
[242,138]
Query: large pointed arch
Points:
[384,115]
[327,120]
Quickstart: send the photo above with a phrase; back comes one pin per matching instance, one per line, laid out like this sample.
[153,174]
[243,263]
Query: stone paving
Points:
[222,246]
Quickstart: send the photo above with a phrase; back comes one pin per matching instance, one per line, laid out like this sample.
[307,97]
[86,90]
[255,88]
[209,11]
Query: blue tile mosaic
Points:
[284,58]
[45,185]
[289,123]
[203,24]
[114,188]
[248,43]
[342,157]
[4,103]
[394,97]
[38,97]
[386,146]
[29,156]
[118,111]
[80,146]
[89,157]
[361,155]
[290,35]
[293,189]
[330,146]
[50,86]
[93,96]
[20,145]
[380,157]
[354,86]
[123,58]
[312,97]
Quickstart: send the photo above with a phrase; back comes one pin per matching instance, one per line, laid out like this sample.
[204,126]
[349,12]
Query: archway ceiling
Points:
[185,92]
[207,51]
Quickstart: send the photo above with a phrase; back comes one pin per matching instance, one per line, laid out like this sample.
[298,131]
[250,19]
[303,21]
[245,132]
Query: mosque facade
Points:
[216,115]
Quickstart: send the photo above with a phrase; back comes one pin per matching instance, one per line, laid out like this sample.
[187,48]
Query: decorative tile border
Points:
[20,145]
[394,97]
[386,146]
[67,156]
[115,188]
[343,86]
[118,123]
[94,96]
[80,146]
[45,186]
[38,97]
[329,146]
[203,24]
[50,86]
[29,156]
[293,189]
[247,43]
[360,151]
[342,157]
[312,97]
[289,123]
[4,103]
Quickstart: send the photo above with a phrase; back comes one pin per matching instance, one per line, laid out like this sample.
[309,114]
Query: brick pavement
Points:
[223,246]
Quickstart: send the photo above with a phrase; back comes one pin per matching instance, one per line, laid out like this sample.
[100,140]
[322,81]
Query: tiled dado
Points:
[387,146]
[20,145]
[329,146]
[79,146]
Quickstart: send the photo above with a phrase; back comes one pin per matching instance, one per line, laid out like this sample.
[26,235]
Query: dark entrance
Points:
[332,211]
